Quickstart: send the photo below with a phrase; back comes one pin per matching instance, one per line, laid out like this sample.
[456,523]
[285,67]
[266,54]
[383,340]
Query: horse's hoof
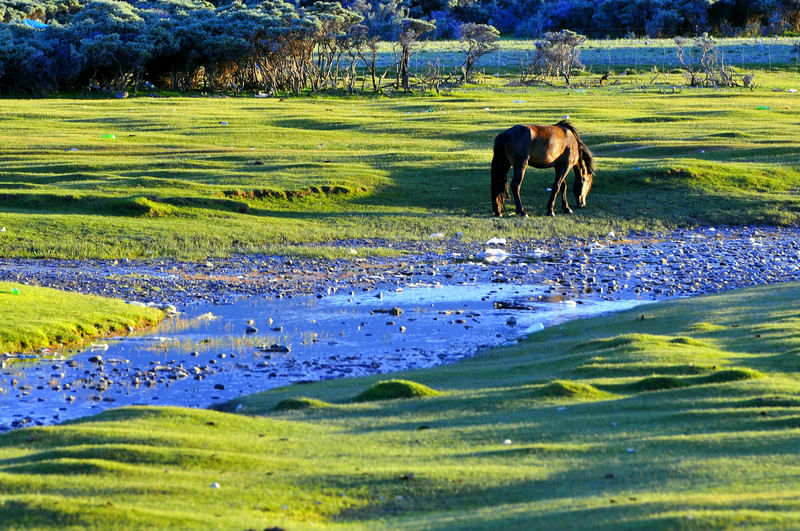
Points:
[522,214]
[498,215]
[551,214]
[567,211]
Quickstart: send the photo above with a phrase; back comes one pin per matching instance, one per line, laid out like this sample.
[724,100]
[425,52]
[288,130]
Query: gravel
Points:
[648,266]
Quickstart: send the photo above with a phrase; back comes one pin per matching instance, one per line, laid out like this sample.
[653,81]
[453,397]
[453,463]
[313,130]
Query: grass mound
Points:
[291,404]
[731,375]
[392,389]
[606,366]
[152,207]
[573,390]
[641,342]
[663,383]
[656,383]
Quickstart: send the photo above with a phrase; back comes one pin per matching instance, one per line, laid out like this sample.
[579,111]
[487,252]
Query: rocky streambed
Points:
[247,324]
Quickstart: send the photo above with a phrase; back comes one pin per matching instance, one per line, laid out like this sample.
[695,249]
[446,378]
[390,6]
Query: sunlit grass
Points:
[176,181]
[33,317]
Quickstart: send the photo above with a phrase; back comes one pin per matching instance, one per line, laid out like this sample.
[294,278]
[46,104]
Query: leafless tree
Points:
[688,58]
[704,59]
[435,78]
[369,56]
[413,29]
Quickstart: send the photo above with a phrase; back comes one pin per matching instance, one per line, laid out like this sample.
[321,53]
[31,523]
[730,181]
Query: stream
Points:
[214,352]
[289,321]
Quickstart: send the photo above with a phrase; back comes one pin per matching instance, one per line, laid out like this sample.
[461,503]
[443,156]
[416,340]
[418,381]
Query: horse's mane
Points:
[586,154]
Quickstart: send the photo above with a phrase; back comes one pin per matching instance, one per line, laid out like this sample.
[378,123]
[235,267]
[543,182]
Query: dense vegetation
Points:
[277,46]
[686,419]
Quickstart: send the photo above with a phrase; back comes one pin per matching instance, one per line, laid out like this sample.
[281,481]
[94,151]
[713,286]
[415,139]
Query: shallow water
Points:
[205,355]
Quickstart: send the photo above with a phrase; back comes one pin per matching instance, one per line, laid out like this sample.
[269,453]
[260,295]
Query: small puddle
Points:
[206,354]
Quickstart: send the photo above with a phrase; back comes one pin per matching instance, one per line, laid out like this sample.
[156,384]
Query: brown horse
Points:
[541,146]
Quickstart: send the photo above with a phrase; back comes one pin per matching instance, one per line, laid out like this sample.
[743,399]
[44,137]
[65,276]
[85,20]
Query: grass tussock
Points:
[566,389]
[394,389]
[292,404]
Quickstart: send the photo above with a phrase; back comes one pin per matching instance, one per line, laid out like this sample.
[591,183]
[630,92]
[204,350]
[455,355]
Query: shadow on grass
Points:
[456,188]
[484,135]
[130,206]
[622,196]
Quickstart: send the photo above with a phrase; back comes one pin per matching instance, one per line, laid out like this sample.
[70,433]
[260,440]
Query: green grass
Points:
[42,317]
[686,419]
[299,403]
[394,389]
[300,175]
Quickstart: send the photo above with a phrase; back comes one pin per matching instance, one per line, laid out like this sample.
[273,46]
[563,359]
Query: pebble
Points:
[716,260]
[644,265]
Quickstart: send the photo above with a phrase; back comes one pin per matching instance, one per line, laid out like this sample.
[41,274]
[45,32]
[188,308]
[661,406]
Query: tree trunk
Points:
[404,60]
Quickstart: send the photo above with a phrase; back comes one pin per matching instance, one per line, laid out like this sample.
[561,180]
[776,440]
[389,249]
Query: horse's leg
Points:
[516,184]
[563,192]
[500,166]
[558,183]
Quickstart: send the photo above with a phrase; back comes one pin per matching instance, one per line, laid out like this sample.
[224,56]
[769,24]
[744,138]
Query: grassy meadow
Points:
[193,177]
[676,415]
[34,318]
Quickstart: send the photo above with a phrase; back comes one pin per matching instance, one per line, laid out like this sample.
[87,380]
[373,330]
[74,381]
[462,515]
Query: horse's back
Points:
[542,146]
[518,133]
[549,144]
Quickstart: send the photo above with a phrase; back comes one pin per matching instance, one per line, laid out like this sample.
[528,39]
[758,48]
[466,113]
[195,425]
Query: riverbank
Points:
[249,324]
[36,318]
[649,266]
[628,420]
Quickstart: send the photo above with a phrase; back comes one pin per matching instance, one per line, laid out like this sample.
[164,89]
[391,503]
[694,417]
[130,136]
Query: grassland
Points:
[32,317]
[603,55]
[197,177]
[677,415]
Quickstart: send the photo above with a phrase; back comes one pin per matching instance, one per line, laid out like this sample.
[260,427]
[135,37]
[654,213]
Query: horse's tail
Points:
[587,157]
[500,166]
[584,153]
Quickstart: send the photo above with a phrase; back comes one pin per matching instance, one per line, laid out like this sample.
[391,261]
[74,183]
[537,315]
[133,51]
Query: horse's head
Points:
[583,183]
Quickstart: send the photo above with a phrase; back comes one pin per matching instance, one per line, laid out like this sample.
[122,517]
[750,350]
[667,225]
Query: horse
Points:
[541,146]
